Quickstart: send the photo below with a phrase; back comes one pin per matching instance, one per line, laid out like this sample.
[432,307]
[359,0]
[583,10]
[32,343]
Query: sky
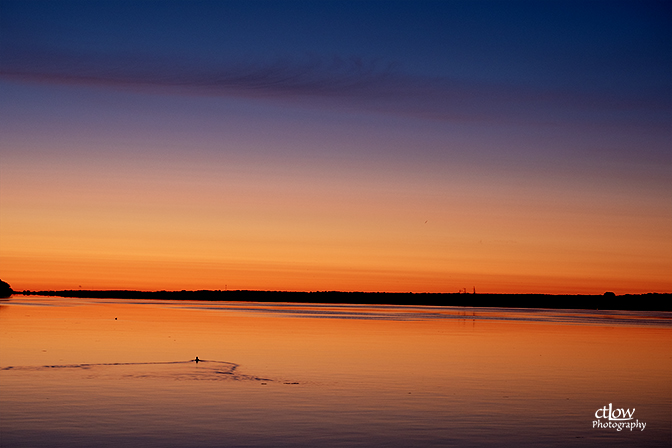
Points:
[425,146]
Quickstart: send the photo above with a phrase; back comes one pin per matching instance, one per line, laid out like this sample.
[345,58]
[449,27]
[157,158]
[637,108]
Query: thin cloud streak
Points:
[351,82]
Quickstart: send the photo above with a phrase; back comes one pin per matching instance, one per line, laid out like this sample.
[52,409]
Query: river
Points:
[106,372]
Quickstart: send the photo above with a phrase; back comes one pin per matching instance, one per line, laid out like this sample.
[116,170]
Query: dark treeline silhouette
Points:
[5,289]
[606,301]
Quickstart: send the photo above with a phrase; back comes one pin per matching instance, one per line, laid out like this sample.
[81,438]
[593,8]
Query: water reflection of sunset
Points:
[442,369]
[371,340]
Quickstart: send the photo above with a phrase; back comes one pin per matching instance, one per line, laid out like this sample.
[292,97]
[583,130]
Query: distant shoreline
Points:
[607,301]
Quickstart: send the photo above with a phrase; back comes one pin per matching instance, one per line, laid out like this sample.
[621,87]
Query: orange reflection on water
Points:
[292,340]
[375,370]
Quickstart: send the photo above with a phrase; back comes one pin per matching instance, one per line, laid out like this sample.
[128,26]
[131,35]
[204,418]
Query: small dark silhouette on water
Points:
[197,360]
[5,289]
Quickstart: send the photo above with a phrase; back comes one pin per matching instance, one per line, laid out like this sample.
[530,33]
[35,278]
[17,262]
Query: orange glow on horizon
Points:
[148,275]
[243,222]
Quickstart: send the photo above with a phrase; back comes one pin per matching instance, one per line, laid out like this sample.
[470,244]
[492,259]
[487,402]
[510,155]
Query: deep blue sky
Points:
[618,52]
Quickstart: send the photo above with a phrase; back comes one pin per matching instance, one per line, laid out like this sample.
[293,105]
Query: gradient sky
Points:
[374,146]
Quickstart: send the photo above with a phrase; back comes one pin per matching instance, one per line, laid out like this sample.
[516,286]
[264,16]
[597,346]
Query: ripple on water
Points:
[204,370]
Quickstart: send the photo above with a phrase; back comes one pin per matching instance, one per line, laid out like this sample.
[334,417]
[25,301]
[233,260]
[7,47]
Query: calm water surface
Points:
[88,372]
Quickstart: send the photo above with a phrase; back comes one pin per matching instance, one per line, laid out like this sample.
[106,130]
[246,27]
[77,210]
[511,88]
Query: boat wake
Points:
[204,370]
